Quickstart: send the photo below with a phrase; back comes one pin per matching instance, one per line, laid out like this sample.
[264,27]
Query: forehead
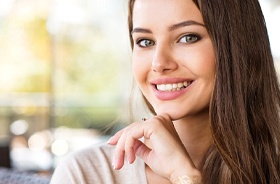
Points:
[161,12]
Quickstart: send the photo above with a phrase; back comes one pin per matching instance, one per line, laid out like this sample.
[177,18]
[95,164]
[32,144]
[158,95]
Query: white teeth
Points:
[180,85]
[173,87]
[168,87]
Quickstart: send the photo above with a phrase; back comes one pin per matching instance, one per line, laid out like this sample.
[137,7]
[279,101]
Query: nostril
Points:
[164,66]
[160,68]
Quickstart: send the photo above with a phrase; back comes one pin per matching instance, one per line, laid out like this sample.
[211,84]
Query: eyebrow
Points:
[185,23]
[140,30]
[171,28]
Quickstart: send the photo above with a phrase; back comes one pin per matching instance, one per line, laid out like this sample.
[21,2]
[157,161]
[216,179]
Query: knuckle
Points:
[119,148]
[129,128]
[158,120]
[126,130]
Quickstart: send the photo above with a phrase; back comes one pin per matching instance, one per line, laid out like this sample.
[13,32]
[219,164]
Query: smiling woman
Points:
[182,53]
[210,83]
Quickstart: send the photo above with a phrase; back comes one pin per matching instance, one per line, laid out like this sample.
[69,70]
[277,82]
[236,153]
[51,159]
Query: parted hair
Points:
[244,109]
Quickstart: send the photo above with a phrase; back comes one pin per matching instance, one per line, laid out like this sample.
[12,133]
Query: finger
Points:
[129,150]
[115,138]
[118,160]
[138,149]
[119,154]
[165,117]
[130,154]
[133,144]
[126,144]
[141,150]
[120,151]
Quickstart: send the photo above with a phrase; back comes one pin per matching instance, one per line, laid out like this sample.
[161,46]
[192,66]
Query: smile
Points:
[173,87]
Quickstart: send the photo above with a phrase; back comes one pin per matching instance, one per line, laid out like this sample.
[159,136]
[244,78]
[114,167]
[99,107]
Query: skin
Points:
[171,45]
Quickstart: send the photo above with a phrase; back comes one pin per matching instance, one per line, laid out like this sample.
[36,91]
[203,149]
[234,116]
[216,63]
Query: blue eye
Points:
[189,38]
[145,43]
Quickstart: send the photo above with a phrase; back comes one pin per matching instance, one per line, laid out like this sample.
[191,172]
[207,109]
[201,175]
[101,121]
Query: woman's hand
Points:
[165,154]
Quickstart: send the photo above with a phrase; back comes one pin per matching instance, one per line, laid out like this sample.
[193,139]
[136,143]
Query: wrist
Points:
[185,179]
[193,177]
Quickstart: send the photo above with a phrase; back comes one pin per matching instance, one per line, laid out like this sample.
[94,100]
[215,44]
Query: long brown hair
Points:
[244,109]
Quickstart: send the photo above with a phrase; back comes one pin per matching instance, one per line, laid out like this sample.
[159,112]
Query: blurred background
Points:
[65,76]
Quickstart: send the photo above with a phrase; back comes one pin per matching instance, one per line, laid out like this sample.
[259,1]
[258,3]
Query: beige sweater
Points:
[94,166]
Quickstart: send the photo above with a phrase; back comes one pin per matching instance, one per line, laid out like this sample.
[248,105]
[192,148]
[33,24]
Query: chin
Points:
[173,115]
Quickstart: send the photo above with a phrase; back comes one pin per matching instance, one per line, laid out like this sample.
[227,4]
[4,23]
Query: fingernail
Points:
[114,163]
[109,141]
[128,162]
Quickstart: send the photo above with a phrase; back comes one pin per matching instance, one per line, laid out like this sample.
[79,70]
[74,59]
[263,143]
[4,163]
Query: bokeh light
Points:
[19,127]
[37,142]
[60,147]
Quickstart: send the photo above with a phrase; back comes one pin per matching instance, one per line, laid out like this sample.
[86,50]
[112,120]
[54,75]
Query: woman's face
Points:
[173,57]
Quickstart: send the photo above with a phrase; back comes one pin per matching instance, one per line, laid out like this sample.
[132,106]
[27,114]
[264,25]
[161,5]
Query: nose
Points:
[163,60]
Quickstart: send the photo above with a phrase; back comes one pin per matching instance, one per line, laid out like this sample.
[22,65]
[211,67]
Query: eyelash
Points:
[138,42]
[197,38]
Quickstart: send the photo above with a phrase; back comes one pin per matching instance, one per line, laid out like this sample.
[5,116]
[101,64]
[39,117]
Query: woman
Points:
[206,72]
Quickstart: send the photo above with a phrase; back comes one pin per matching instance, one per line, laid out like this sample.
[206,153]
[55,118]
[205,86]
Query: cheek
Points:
[209,58]
[208,67]
[140,68]
[201,62]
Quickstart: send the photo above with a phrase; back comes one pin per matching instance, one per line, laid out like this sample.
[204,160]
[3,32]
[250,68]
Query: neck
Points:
[195,135]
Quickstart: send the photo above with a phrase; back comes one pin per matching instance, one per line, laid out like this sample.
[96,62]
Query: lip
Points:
[169,80]
[169,95]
